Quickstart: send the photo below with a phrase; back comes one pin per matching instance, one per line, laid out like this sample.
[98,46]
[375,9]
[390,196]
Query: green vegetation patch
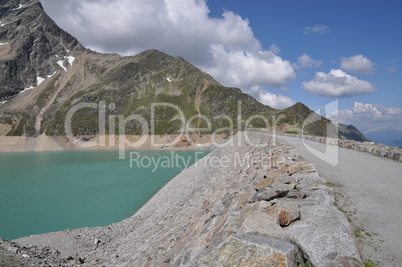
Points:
[23,124]
[369,263]
[43,98]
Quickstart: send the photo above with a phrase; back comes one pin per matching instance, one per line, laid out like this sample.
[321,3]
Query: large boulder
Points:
[252,250]
[324,236]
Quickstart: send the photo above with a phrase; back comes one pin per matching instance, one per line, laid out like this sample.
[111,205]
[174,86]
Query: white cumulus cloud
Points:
[371,116]
[225,47]
[359,64]
[305,61]
[276,49]
[247,69]
[274,100]
[377,111]
[337,83]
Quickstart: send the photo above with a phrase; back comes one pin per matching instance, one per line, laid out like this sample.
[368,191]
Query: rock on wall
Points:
[394,153]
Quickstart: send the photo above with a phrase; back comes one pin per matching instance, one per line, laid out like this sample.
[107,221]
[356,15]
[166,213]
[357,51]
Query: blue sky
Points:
[370,28]
[281,52]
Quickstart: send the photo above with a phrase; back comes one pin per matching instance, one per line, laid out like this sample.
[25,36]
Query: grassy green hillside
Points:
[167,92]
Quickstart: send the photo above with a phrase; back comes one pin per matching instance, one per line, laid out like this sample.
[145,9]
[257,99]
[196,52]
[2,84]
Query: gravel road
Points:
[370,192]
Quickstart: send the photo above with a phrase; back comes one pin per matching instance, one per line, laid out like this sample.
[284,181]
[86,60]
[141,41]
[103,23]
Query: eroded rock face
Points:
[209,215]
[36,44]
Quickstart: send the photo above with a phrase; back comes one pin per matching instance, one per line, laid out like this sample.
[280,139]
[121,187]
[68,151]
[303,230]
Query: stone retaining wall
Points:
[241,205]
[394,153]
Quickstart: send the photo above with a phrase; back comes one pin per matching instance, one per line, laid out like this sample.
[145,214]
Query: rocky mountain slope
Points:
[352,133]
[35,53]
[31,46]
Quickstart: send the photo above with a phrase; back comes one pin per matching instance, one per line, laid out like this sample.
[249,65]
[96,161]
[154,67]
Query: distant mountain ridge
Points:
[387,136]
[35,52]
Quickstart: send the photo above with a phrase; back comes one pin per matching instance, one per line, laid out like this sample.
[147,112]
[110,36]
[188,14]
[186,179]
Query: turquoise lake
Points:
[51,191]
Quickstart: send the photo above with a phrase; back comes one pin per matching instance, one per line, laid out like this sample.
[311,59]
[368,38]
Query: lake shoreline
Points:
[110,142]
[53,191]
[274,207]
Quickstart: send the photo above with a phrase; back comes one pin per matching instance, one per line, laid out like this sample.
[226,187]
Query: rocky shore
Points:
[394,153]
[105,142]
[242,205]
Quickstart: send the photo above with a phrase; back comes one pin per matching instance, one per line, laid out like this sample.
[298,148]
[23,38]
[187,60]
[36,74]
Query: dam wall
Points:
[253,202]
[380,150]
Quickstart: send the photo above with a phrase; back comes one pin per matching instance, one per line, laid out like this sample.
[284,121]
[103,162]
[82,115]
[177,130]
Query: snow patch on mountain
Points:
[21,6]
[39,80]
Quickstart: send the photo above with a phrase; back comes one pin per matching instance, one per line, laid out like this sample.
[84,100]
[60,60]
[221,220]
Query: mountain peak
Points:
[31,46]
[16,6]
[153,52]
[33,50]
